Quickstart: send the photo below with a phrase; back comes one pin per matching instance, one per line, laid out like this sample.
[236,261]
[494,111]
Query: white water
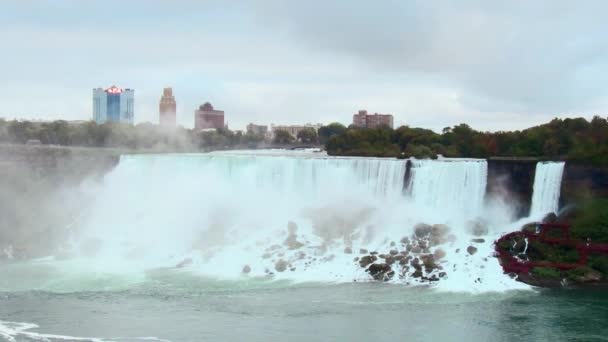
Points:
[547,187]
[212,214]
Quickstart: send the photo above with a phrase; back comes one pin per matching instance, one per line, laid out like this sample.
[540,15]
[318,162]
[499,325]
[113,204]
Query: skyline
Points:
[430,64]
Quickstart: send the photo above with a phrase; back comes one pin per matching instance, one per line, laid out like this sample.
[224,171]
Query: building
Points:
[167,109]
[294,129]
[114,105]
[362,119]
[207,117]
[257,129]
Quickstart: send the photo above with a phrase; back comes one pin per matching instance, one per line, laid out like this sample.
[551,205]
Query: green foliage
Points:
[599,263]
[576,140]
[538,251]
[283,137]
[308,135]
[591,221]
[546,272]
[330,130]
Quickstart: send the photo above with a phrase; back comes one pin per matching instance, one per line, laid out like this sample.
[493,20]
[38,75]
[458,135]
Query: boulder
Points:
[348,250]
[417,273]
[366,260]
[471,250]
[280,265]
[439,254]
[393,252]
[550,218]
[422,230]
[478,240]
[405,240]
[380,272]
[529,228]
[246,269]
[478,227]
[363,251]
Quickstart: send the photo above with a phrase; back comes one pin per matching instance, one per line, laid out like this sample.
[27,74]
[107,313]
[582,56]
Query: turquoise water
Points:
[184,309]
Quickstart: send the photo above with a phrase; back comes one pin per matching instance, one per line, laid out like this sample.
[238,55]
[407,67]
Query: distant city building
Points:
[114,105]
[294,129]
[207,117]
[362,119]
[167,109]
[257,129]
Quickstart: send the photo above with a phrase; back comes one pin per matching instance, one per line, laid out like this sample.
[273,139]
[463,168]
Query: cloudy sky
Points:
[493,64]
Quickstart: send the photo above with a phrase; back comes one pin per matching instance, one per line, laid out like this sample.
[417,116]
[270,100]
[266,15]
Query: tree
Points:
[282,137]
[326,132]
[308,135]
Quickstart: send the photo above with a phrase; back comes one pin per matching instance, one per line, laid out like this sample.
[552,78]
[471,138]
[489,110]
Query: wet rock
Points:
[393,252]
[422,230]
[380,272]
[356,259]
[415,263]
[405,240]
[438,234]
[416,249]
[478,228]
[373,253]
[587,275]
[403,253]
[471,250]
[442,274]
[429,262]
[417,274]
[367,260]
[439,254]
[292,269]
[363,251]
[348,250]
[393,244]
[246,269]
[280,265]
[550,218]
[529,228]
[266,256]
[478,240]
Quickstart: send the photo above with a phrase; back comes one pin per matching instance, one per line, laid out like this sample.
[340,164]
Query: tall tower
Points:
[167,109]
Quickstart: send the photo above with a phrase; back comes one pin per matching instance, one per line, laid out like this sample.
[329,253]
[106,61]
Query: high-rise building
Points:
[114,105]
[364,120]
[167,109]
[206,117]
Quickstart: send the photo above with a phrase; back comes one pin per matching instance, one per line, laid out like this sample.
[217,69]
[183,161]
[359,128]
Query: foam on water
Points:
[214,214]
[19,331]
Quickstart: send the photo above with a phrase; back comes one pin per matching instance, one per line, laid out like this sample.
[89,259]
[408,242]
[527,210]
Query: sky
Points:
[496,65]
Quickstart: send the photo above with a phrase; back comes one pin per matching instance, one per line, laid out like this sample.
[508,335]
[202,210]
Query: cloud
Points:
[495,65]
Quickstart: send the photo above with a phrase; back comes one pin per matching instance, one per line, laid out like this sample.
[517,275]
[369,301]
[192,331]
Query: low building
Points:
[257,129]
[294,129]
[208,117]
[364,120]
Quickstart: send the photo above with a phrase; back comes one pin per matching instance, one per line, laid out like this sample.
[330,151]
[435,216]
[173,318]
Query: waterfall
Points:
[450,186]
[547,187]
[298,216]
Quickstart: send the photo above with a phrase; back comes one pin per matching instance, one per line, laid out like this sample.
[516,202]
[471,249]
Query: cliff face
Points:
[40,194]
[512,179]
[583,181]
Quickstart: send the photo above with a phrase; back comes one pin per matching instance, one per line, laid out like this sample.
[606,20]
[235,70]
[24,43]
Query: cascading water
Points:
[547,187]
[455,186]
[297,216]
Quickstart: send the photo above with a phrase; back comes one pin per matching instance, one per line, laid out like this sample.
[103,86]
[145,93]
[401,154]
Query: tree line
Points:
[141,136]
[573,139]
